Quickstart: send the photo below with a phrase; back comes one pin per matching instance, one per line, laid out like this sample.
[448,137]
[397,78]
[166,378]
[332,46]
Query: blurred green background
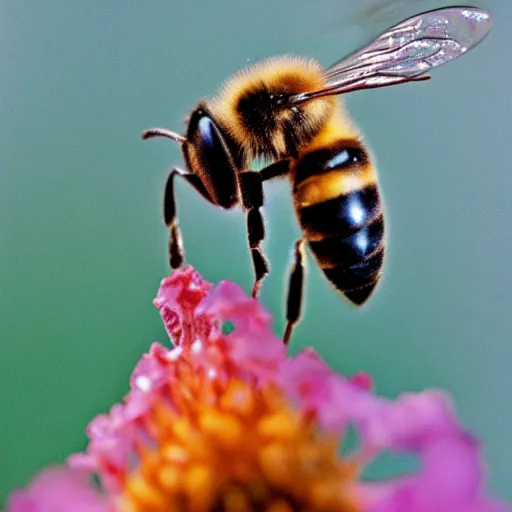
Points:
[83,247]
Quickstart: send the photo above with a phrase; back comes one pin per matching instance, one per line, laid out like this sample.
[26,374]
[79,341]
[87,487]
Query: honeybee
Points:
[286,110]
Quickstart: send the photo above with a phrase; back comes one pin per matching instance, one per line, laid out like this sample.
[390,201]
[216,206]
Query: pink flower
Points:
[230,422]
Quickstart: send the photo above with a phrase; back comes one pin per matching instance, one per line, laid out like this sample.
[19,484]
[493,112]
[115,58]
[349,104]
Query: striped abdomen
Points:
[339,209]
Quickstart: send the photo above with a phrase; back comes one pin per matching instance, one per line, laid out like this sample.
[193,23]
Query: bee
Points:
[287,111]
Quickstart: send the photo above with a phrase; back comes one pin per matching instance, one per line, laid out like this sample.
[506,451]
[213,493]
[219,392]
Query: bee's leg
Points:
[252,200]
[176,253]
[295,291]
[277,169]
[251,189]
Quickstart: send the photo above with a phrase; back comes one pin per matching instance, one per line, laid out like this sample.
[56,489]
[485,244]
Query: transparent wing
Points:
[407,51]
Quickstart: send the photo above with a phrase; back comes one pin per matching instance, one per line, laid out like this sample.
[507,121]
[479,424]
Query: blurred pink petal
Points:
[59,489]
[450,478]
[451,474]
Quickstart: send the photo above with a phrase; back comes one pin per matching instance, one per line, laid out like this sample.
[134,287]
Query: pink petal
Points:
[59,489]
[410,421]
[334,400]
[178,296]
[451,477]
[251,346]
[228,301]
[113,436]
[152,371]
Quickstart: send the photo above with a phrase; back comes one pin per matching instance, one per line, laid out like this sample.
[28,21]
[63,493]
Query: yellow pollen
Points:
[233,447]
[279,425]
[170,478]
[237,399]
[274,460]
[181,428]
[174,453]
[141,491]
[225,429]
[198,480]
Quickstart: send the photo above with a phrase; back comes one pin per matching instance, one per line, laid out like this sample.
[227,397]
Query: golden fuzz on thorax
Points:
[290,74]
[243,108]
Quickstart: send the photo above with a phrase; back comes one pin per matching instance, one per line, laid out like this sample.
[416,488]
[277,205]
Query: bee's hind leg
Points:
[295,291]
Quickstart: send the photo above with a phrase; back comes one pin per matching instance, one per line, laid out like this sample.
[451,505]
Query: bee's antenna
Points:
[163,132]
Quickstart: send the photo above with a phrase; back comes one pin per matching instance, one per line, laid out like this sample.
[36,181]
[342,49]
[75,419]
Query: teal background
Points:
[83,248]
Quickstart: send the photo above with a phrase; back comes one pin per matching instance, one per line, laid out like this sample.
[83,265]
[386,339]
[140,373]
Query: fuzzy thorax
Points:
[252,107]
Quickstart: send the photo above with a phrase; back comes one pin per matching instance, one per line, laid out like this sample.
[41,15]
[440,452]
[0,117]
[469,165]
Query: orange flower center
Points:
[231,447]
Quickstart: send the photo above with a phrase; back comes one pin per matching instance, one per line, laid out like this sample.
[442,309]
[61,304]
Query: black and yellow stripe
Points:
[339,209]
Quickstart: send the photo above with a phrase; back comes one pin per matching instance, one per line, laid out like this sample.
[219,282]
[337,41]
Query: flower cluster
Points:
[227,421]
